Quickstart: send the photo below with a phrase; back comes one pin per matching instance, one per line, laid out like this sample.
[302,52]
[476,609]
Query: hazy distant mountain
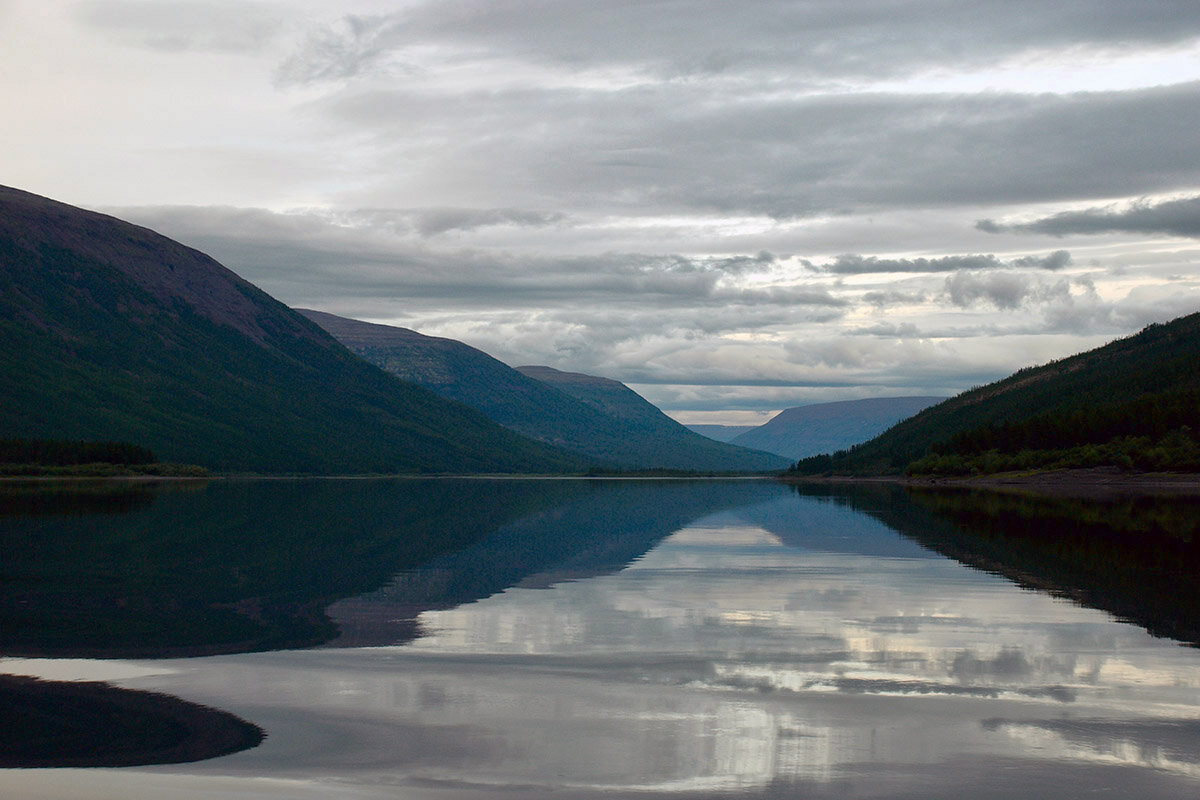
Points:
[722,433]
[1133,403]
[111,331]
[804,431]
[623,430]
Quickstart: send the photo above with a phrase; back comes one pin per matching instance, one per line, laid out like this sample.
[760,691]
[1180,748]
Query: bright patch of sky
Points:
[1083,70]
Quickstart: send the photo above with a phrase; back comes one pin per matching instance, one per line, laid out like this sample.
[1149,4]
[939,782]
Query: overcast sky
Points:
[733,207]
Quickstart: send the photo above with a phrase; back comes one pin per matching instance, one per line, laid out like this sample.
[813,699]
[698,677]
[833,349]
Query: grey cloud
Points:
[1142,306]
[429,222]
[232,26]
[310,257]
[1173,217]
[888,330]
[354,45]
[850,264]
[1004,290]
[812,41]
[1056,260]
[441,220]
[679,148]
[740,264]
[783,296]
[882,299]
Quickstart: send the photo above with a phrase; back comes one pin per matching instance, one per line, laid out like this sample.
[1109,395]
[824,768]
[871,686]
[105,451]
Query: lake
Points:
[455,638]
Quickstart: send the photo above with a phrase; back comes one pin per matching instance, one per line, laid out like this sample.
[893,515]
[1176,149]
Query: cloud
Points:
[350,47]
[1056,260]
[892,297]
[1173,217]
[371,256]
[850,264]
[225,26]
[435,221]
[806,41]
[1004,290]
[696,148]
[888,330]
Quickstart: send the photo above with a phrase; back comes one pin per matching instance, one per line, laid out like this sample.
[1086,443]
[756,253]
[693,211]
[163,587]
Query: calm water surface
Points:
[681,639]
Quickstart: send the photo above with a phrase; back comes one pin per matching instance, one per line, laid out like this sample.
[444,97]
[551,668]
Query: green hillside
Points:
[113,332]
[1133,403]
[599,419]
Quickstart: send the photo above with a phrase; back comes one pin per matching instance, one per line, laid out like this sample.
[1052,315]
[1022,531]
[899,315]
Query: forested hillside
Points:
[1133,403]
[113,332]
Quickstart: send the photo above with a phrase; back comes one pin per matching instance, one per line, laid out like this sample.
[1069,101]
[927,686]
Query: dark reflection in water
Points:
[231,566]
[77,498]
[236,566]
[1134,556]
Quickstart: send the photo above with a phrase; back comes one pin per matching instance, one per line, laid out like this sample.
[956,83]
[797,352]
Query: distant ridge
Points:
[804,431]
[600,419]
[111,331]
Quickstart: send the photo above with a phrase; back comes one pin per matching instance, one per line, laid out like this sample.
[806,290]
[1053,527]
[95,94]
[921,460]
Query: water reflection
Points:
[784,645]
[1135,556]
[190,569]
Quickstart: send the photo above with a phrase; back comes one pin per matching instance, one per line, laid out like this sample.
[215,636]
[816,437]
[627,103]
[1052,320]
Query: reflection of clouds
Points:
[722,661]
[784,629]
[1169,746]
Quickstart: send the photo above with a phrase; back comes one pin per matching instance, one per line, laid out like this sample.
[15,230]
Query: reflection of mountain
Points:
[229,566]
[598,530]
[831,527]
[236,566]
[1136,557]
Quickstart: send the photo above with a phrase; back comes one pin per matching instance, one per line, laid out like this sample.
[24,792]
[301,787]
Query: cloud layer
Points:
[1172,217]
[733,207]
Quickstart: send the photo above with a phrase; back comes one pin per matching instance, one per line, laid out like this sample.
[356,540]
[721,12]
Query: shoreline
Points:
[1086,482]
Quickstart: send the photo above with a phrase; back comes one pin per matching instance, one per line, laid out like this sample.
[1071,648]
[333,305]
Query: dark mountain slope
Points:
[826,427]
[111,331]
[652,434]
[1134,402]
[463,373]
[539,409]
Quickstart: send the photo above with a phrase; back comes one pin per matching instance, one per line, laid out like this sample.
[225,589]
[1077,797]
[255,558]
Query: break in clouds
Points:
[733,207]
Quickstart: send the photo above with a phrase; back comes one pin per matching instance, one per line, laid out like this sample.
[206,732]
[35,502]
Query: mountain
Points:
[652,437]
[804,431]
[1133,403]
[114,332]
[721,433]
[624,431]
